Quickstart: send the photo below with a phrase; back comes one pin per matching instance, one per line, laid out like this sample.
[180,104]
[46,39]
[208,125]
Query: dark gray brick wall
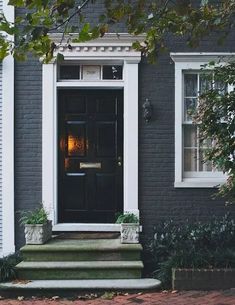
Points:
[28,139]
[158,199]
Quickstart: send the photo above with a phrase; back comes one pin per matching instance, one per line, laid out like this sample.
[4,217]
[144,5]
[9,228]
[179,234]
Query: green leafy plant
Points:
[216,117]
[192,245]
[127,218]
[37,216]
[36,20]
[7,267]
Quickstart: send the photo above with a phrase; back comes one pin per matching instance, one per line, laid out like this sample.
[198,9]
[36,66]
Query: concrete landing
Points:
[82,245]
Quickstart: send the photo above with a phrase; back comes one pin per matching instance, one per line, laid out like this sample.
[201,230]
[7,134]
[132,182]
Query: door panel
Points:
[106,139]
[105,191]
[90,156]
[76,196]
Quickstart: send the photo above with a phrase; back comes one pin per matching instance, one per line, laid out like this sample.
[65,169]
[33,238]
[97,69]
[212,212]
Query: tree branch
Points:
[66,21]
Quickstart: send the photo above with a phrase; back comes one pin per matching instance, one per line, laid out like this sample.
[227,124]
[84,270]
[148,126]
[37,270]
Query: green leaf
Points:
[84,34]
[16,3]
[59,57]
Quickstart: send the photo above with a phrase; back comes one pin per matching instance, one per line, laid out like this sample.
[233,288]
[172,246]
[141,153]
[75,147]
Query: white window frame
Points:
[110,50]
[191,62]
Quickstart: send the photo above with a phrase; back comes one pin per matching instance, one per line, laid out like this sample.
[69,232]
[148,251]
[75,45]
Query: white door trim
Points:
[130,59]
[8,219]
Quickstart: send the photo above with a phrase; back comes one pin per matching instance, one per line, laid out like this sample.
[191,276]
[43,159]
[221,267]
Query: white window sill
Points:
[199,183]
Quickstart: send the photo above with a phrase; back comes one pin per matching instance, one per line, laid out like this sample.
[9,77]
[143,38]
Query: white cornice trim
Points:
[112,45]
[108,38]
[201,56]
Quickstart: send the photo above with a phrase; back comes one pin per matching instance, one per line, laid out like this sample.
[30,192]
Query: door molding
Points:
[7,198]
[111,49]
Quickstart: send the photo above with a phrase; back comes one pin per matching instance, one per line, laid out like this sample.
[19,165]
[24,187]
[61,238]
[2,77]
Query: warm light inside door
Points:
[76,145]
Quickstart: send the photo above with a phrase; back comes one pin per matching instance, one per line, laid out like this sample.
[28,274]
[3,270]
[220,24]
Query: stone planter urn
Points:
[130,233]
[38,234]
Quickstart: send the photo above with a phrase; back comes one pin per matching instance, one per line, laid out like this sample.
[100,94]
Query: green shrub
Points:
[127,218]
[7,267]
[192,245]
[37,216]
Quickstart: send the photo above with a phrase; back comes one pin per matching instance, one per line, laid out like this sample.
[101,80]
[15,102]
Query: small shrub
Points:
[192,245]
[7,267]
[37,216]
[127,218]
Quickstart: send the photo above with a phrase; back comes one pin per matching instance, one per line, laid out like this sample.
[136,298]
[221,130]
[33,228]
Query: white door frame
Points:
[108,50]
[7,145]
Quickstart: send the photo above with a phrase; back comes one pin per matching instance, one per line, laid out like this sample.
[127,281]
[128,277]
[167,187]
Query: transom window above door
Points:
[73,71]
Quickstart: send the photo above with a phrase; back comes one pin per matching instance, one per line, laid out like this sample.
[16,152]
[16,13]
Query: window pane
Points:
[222,87]
[190,160]
[190,85]
[190,136]
[204,166]
[205,83]
[206,143]
[69,72]
[190,105]
[76,139]
[91,72]
[112,72]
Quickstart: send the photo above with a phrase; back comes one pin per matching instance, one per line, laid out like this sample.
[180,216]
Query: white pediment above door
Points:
[112,45]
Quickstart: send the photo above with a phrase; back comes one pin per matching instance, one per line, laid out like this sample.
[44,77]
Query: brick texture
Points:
[28,139]
[158,199]
[206,279]
[164,298]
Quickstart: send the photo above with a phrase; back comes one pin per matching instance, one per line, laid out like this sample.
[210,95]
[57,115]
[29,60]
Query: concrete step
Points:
[58,270]
[82,250]
[74,287]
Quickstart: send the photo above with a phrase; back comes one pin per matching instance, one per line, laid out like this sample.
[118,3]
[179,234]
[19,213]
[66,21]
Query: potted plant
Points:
[129,228]
[38,229]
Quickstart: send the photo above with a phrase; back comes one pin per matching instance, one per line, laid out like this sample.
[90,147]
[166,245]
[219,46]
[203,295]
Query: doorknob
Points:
[119,161]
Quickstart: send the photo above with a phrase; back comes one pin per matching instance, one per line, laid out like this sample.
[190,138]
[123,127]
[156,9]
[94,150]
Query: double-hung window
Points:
[190,169]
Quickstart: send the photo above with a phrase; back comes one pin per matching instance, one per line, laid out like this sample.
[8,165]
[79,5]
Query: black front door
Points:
[90,158]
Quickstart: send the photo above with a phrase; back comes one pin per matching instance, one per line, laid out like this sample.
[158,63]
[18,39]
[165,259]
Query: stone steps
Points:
[82,250]
[75,270]
[68,266]
[80,259]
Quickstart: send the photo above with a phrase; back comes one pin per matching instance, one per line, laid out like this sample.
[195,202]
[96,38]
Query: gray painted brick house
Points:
[83,148]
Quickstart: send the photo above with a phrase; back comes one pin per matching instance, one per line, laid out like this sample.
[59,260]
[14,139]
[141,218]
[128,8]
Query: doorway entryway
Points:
[90,155]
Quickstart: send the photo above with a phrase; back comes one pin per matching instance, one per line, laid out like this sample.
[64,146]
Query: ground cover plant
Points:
[192,245]
[7,267]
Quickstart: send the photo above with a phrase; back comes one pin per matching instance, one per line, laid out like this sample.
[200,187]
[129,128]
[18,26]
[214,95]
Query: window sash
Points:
[192,153]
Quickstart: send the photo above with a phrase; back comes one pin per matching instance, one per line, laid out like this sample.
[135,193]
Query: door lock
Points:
[119,163]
